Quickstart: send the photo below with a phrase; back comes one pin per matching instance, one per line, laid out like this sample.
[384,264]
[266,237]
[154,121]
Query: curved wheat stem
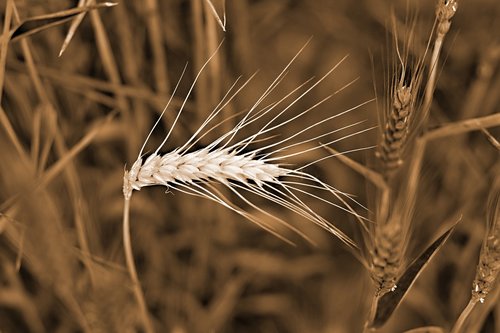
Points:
[244,168]
[129,258]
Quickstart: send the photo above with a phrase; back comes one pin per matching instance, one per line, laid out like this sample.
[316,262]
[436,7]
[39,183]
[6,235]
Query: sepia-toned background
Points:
[71,124]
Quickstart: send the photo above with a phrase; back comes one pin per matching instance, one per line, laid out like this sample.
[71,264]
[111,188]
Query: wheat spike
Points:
[222,165]
[386,257]
[489,260]
[445,10]
[396,128]
[401,106]
[240,166]
[243,168]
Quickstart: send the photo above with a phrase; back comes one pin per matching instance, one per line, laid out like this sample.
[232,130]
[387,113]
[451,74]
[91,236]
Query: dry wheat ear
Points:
[246,168]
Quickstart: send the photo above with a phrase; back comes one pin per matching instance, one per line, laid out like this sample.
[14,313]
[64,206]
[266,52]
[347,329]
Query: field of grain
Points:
[349,180]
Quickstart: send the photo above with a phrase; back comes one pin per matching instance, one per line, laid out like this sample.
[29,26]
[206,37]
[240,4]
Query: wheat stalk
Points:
[388,237]
[243,168]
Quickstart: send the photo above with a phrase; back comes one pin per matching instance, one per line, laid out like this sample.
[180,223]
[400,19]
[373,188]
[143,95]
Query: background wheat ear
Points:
[489,259]
[396,129]
[488,267]
[401,111]
[387,256]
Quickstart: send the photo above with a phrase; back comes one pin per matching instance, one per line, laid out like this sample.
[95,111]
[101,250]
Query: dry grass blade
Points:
[427,329]
[5,43]
[157,44]
[58,167]
[222,307]
[217,7]
[39,23]
[15,297]
[388,303]
[373,176]
[91,86]
[494,142]
[109,62]
[74,26]
[4,120]
[462,126]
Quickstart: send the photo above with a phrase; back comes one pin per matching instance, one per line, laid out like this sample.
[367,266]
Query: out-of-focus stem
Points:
[371,315]
[459,324]
[444,13]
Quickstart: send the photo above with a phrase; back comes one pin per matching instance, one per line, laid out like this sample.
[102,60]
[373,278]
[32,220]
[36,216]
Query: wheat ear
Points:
[386,257]
[244,168]
[489,259]
[488,267]
[401,106]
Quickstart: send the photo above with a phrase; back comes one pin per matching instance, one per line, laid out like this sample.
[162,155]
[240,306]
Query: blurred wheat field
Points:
[70,124]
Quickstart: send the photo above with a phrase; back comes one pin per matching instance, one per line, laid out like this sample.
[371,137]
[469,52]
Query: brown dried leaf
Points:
[388,303]
[39,23]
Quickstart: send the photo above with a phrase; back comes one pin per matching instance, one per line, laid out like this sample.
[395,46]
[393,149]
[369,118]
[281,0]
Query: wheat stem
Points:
[459,324]
[129,258]
[445,11]
[463,126]
[372,313]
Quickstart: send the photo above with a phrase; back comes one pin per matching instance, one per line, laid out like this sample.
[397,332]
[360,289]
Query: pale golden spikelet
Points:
[386,257]
[222,165]
[489,260]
